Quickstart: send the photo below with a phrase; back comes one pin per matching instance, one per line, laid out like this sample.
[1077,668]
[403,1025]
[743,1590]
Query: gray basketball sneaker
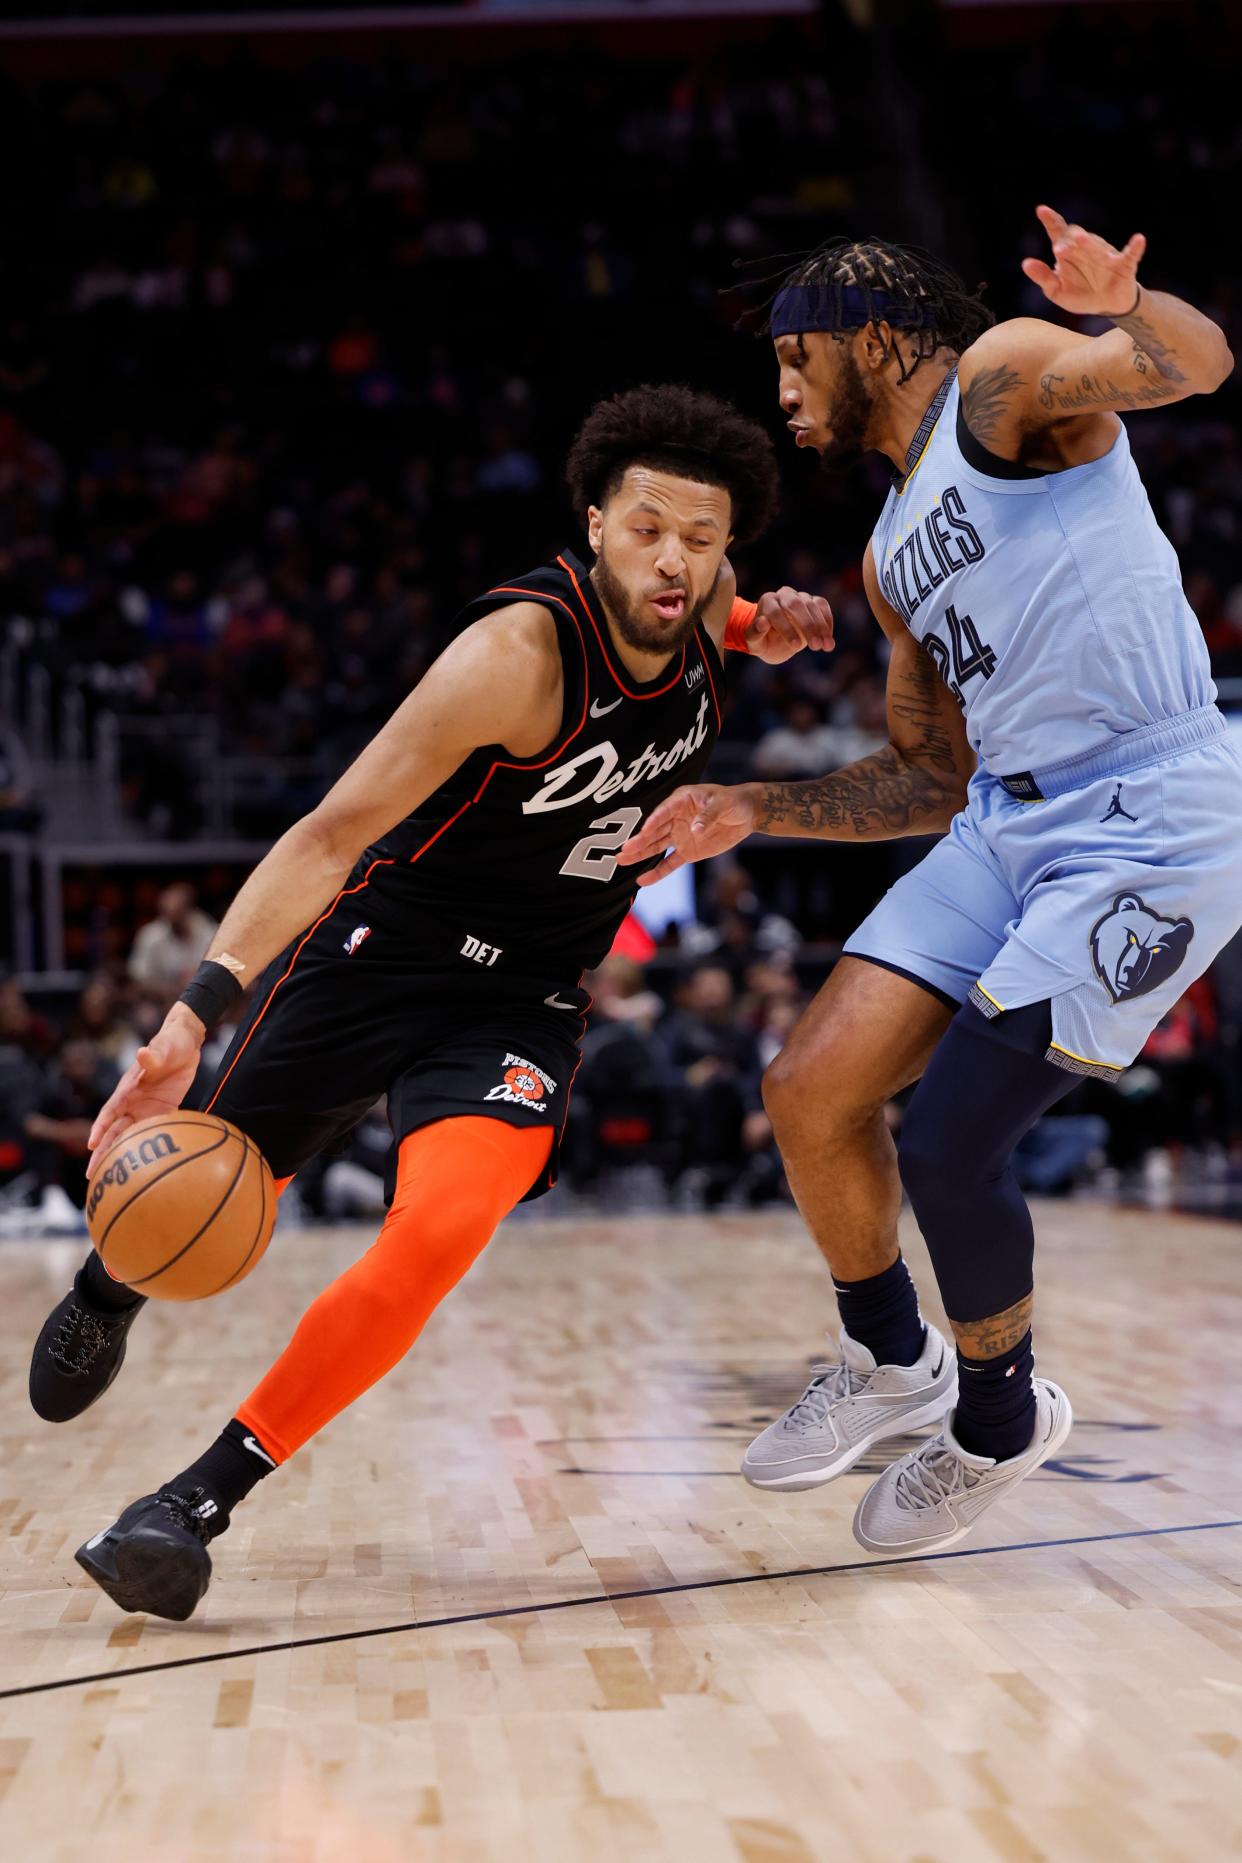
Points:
[846,1408]
[931,1498]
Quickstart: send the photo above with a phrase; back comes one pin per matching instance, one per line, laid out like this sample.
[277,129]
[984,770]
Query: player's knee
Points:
[813,1089]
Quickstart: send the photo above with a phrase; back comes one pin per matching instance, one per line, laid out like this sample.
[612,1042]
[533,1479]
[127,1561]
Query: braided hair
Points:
[862,281]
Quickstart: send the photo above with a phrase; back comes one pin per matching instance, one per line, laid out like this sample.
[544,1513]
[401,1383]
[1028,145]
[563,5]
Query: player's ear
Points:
[595,527]
[877,345]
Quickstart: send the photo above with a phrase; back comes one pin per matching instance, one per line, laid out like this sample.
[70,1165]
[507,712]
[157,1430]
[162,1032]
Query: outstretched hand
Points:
[787,620]
[157,1082]
[691,824]
[1088,277]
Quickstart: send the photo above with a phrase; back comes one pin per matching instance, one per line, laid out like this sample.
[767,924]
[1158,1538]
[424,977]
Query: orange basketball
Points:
[181,1207]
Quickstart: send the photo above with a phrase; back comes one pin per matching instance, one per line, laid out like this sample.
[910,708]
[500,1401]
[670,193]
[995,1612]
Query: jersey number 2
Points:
[595,856]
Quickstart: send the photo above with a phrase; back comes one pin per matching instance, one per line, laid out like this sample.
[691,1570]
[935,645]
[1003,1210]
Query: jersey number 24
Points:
[969,655]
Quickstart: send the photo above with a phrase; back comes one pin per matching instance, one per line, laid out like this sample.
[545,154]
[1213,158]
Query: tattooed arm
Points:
[1049,396]
[915,785]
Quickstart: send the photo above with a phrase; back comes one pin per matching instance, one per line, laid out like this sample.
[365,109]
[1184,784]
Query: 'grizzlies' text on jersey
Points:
[1051,602]
[518,855]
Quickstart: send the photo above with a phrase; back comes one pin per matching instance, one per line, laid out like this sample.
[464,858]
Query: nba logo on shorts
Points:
[357,936]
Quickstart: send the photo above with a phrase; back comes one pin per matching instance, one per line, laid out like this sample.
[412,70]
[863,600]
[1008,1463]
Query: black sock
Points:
[233,1465]
[996,1402]
[882,1313]
[109,1296]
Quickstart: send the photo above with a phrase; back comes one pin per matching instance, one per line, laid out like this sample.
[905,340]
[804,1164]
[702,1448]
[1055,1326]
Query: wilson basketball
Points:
[181,1207]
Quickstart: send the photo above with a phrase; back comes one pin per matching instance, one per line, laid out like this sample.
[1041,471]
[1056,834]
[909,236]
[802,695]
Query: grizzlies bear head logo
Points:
[1134,949]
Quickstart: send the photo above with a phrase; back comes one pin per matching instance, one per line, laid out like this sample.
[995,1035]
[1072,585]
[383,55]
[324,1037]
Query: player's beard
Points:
[636,629]
[851,412]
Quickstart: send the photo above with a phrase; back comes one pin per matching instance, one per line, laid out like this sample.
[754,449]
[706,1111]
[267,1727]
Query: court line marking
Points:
[597,1598]
[867,1468]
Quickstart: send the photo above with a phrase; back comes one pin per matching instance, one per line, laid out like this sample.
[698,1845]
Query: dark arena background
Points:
[299,313]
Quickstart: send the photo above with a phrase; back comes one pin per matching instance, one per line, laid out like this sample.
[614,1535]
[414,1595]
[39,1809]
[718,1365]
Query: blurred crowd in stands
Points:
[290,354]
[670,1082]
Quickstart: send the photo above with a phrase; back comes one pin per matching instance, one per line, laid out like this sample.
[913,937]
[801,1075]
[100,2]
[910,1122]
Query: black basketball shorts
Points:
[372,1001]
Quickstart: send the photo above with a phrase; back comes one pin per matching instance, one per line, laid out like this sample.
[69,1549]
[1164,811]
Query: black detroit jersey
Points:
[520,854]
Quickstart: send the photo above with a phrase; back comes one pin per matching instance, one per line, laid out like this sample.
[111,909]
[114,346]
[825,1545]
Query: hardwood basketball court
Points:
[518,1604]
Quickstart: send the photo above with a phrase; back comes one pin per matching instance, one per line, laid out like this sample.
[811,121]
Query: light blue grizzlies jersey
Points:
[1052,603]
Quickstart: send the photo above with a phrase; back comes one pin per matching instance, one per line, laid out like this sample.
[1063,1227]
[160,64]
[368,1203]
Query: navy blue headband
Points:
[842,307]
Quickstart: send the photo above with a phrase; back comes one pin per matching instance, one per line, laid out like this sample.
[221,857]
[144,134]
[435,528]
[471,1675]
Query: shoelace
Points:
[934,1475]
[832,1381]
[183,1509]
[80,1338]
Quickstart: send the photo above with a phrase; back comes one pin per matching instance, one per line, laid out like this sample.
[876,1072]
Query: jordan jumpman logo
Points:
[1115,808]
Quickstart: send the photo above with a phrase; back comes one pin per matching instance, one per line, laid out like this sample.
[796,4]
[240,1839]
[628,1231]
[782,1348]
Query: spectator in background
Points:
[737,927]
[1182,1048]
[726,1131]
[620,993]
[59,1126]
[624,1108]
[780,1017]
[169,949]
[102,1019]
[22,1029]
[25,1042]
[802,746]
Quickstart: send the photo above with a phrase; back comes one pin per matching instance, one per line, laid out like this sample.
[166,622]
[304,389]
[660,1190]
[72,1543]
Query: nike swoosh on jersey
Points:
[554,1002]
[601,711]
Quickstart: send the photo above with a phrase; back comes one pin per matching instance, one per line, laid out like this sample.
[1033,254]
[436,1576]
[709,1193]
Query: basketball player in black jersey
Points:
[439,960]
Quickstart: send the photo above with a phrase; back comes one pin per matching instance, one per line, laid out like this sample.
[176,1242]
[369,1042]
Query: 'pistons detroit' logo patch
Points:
[523,1084]
[1134,949]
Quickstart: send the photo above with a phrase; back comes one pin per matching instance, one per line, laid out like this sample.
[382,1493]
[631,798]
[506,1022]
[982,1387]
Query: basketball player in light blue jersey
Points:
[1050,705]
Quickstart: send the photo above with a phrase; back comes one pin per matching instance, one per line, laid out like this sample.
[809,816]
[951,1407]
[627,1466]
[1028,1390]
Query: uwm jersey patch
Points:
[521,853]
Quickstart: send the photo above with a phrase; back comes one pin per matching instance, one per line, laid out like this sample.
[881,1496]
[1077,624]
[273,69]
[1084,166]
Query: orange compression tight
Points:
[455,1180]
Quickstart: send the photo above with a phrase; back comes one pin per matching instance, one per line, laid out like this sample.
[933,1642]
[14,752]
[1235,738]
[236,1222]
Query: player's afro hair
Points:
[675,429]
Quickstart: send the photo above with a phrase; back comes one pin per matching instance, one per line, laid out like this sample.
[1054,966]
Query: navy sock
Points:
[882,1313]
[102,1291]
[996,1402]
[235,1463]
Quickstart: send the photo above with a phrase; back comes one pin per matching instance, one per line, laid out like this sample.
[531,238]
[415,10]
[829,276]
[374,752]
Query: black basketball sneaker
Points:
[77,1355]
[155,1558]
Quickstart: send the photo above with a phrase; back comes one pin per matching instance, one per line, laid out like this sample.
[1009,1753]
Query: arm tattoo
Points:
[1089,393]
[877,799]
[1148,347]
[916,787]
[999,1333]
[917,698]
[985,401]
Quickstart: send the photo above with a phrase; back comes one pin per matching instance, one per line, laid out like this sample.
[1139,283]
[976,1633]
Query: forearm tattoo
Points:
[1149,349]
[876,799]
[1156,377]
[915,787]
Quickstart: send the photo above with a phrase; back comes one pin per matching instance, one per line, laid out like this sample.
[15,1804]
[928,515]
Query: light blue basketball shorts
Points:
[1108,896]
